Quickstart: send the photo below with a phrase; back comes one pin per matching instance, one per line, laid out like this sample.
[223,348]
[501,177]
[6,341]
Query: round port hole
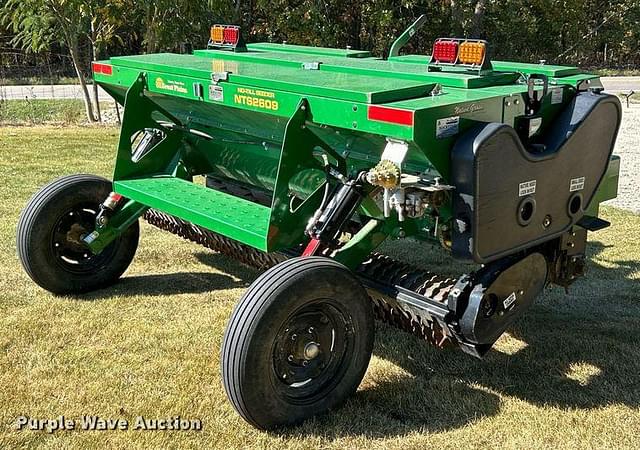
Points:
[526,210]
[575,204]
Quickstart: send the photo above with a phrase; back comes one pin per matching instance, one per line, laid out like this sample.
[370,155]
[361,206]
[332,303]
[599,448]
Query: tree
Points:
[39,23]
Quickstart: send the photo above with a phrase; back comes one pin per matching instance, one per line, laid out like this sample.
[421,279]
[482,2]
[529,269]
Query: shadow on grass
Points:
[165,284]
[577,351]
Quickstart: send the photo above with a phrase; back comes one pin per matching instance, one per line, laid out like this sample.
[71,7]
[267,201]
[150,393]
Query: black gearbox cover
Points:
[508,198]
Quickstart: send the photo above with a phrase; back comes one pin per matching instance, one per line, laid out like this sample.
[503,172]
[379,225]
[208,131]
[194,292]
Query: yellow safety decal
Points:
[256,98]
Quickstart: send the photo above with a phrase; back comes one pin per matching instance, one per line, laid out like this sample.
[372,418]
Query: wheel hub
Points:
[310,348]
[68,247]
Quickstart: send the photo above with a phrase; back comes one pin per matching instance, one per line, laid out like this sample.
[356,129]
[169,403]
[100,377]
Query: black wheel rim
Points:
[310,352]
[68,248]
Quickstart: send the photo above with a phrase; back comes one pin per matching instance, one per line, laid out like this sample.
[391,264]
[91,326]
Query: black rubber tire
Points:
[248,349]
[35,232]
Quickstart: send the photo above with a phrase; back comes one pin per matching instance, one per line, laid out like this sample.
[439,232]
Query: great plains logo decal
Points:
[171,85]
[467,109]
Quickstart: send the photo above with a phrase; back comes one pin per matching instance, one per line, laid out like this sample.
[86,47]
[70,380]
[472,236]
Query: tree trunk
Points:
[457,28]
[94,58]
[71,40]
[478,18]
[75,57]
[237,12]
[152,35]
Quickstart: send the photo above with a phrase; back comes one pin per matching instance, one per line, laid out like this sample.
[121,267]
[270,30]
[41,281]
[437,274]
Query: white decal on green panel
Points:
[447,127]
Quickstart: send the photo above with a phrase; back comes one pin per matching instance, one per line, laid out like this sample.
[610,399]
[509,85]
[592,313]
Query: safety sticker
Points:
[577,184]
[216,93]
[527,188]
[509,301]
[556,96]
[447,127]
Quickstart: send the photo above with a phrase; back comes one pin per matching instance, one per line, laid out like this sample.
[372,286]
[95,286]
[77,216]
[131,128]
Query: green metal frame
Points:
[321,111]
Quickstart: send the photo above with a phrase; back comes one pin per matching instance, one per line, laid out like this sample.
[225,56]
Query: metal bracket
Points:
[534,98]
[220,76]
[315,65]
[406,35]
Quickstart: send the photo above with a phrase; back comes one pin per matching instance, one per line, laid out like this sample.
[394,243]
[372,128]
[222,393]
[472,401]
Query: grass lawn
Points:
[566,376]
[40,112]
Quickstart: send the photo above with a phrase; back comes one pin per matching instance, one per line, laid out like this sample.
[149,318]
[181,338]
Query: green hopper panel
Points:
[350,87]
[217,211]
[388,69]
[323,51]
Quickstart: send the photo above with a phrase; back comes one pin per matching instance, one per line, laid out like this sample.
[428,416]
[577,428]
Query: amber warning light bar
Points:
[461,54]
[227,37]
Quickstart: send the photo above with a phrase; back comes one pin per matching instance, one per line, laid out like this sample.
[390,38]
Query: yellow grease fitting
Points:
[471,53]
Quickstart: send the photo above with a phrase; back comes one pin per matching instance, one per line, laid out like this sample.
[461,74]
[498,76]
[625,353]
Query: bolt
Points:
[290,358]
[521,292]
[310,330]
[355,108]
[303,107]
[294,337]
[547,221]
[71,213]
[354,124]
[305,363]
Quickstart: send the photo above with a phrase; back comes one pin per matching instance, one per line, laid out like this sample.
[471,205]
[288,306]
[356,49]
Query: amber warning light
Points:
[226,37]
[465,54]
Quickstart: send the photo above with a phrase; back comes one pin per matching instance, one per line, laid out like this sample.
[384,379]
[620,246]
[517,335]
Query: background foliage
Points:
[45,38]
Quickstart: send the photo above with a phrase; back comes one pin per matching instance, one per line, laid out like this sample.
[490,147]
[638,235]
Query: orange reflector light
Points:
[104,69]
[217,34]
[391,115]
[472,53]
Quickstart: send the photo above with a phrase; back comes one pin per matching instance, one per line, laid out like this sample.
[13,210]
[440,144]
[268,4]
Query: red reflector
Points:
[445,51]
[391,115]
[104,69]
[231,35]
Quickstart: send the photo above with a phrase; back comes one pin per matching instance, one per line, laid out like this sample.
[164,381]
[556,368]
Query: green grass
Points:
[617,72]
[566,376]
[38,112]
